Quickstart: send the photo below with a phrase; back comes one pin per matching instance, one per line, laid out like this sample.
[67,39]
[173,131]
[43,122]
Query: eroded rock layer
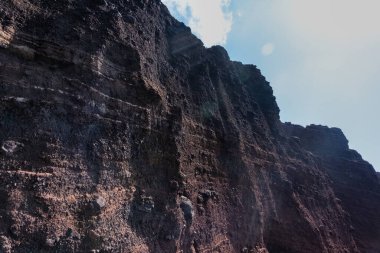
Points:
[121,132]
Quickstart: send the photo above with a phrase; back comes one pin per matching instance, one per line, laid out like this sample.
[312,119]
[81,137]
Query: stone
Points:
[10,147]
[174,186]
[129,19]
[50,242]
[24,51]
[73,234]
[93,235]
[169,237]
[187,208]
[99,203]
[96,206]
[201,210]
[205,195]
[146,205]
[69,232]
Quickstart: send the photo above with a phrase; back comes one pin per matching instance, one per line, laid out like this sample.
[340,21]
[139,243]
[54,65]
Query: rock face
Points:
[121,132]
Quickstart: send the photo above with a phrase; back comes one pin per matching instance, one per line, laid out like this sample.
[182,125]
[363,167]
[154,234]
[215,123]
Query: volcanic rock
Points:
[187,208]
[9,147]
[118,99]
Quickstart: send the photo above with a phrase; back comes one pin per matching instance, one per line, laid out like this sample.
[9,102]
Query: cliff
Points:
[121,132]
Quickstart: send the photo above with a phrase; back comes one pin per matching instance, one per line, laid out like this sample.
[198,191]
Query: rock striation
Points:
[121,132]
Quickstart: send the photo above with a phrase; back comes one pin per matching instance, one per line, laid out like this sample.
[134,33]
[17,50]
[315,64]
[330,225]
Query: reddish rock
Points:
[118,99]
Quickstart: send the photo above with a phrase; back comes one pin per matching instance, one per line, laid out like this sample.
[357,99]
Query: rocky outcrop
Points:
[354,181]
[121,132]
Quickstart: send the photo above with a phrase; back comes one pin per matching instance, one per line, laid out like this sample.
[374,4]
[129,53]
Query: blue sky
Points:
[321,57]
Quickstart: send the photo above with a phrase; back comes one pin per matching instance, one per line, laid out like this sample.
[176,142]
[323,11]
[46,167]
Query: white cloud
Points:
[209,19]
[267,49]
[340,23]
[331,70]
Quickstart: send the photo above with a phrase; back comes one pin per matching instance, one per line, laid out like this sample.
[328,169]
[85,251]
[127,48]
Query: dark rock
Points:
[146,205]
[9,147]
[50,242]
[99,203]
[200,199]
[187,208]
[69,232]
[174,186]
[73,234]
[96,206]
[169,237]
[129,19]
[205,195]
[201,210]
